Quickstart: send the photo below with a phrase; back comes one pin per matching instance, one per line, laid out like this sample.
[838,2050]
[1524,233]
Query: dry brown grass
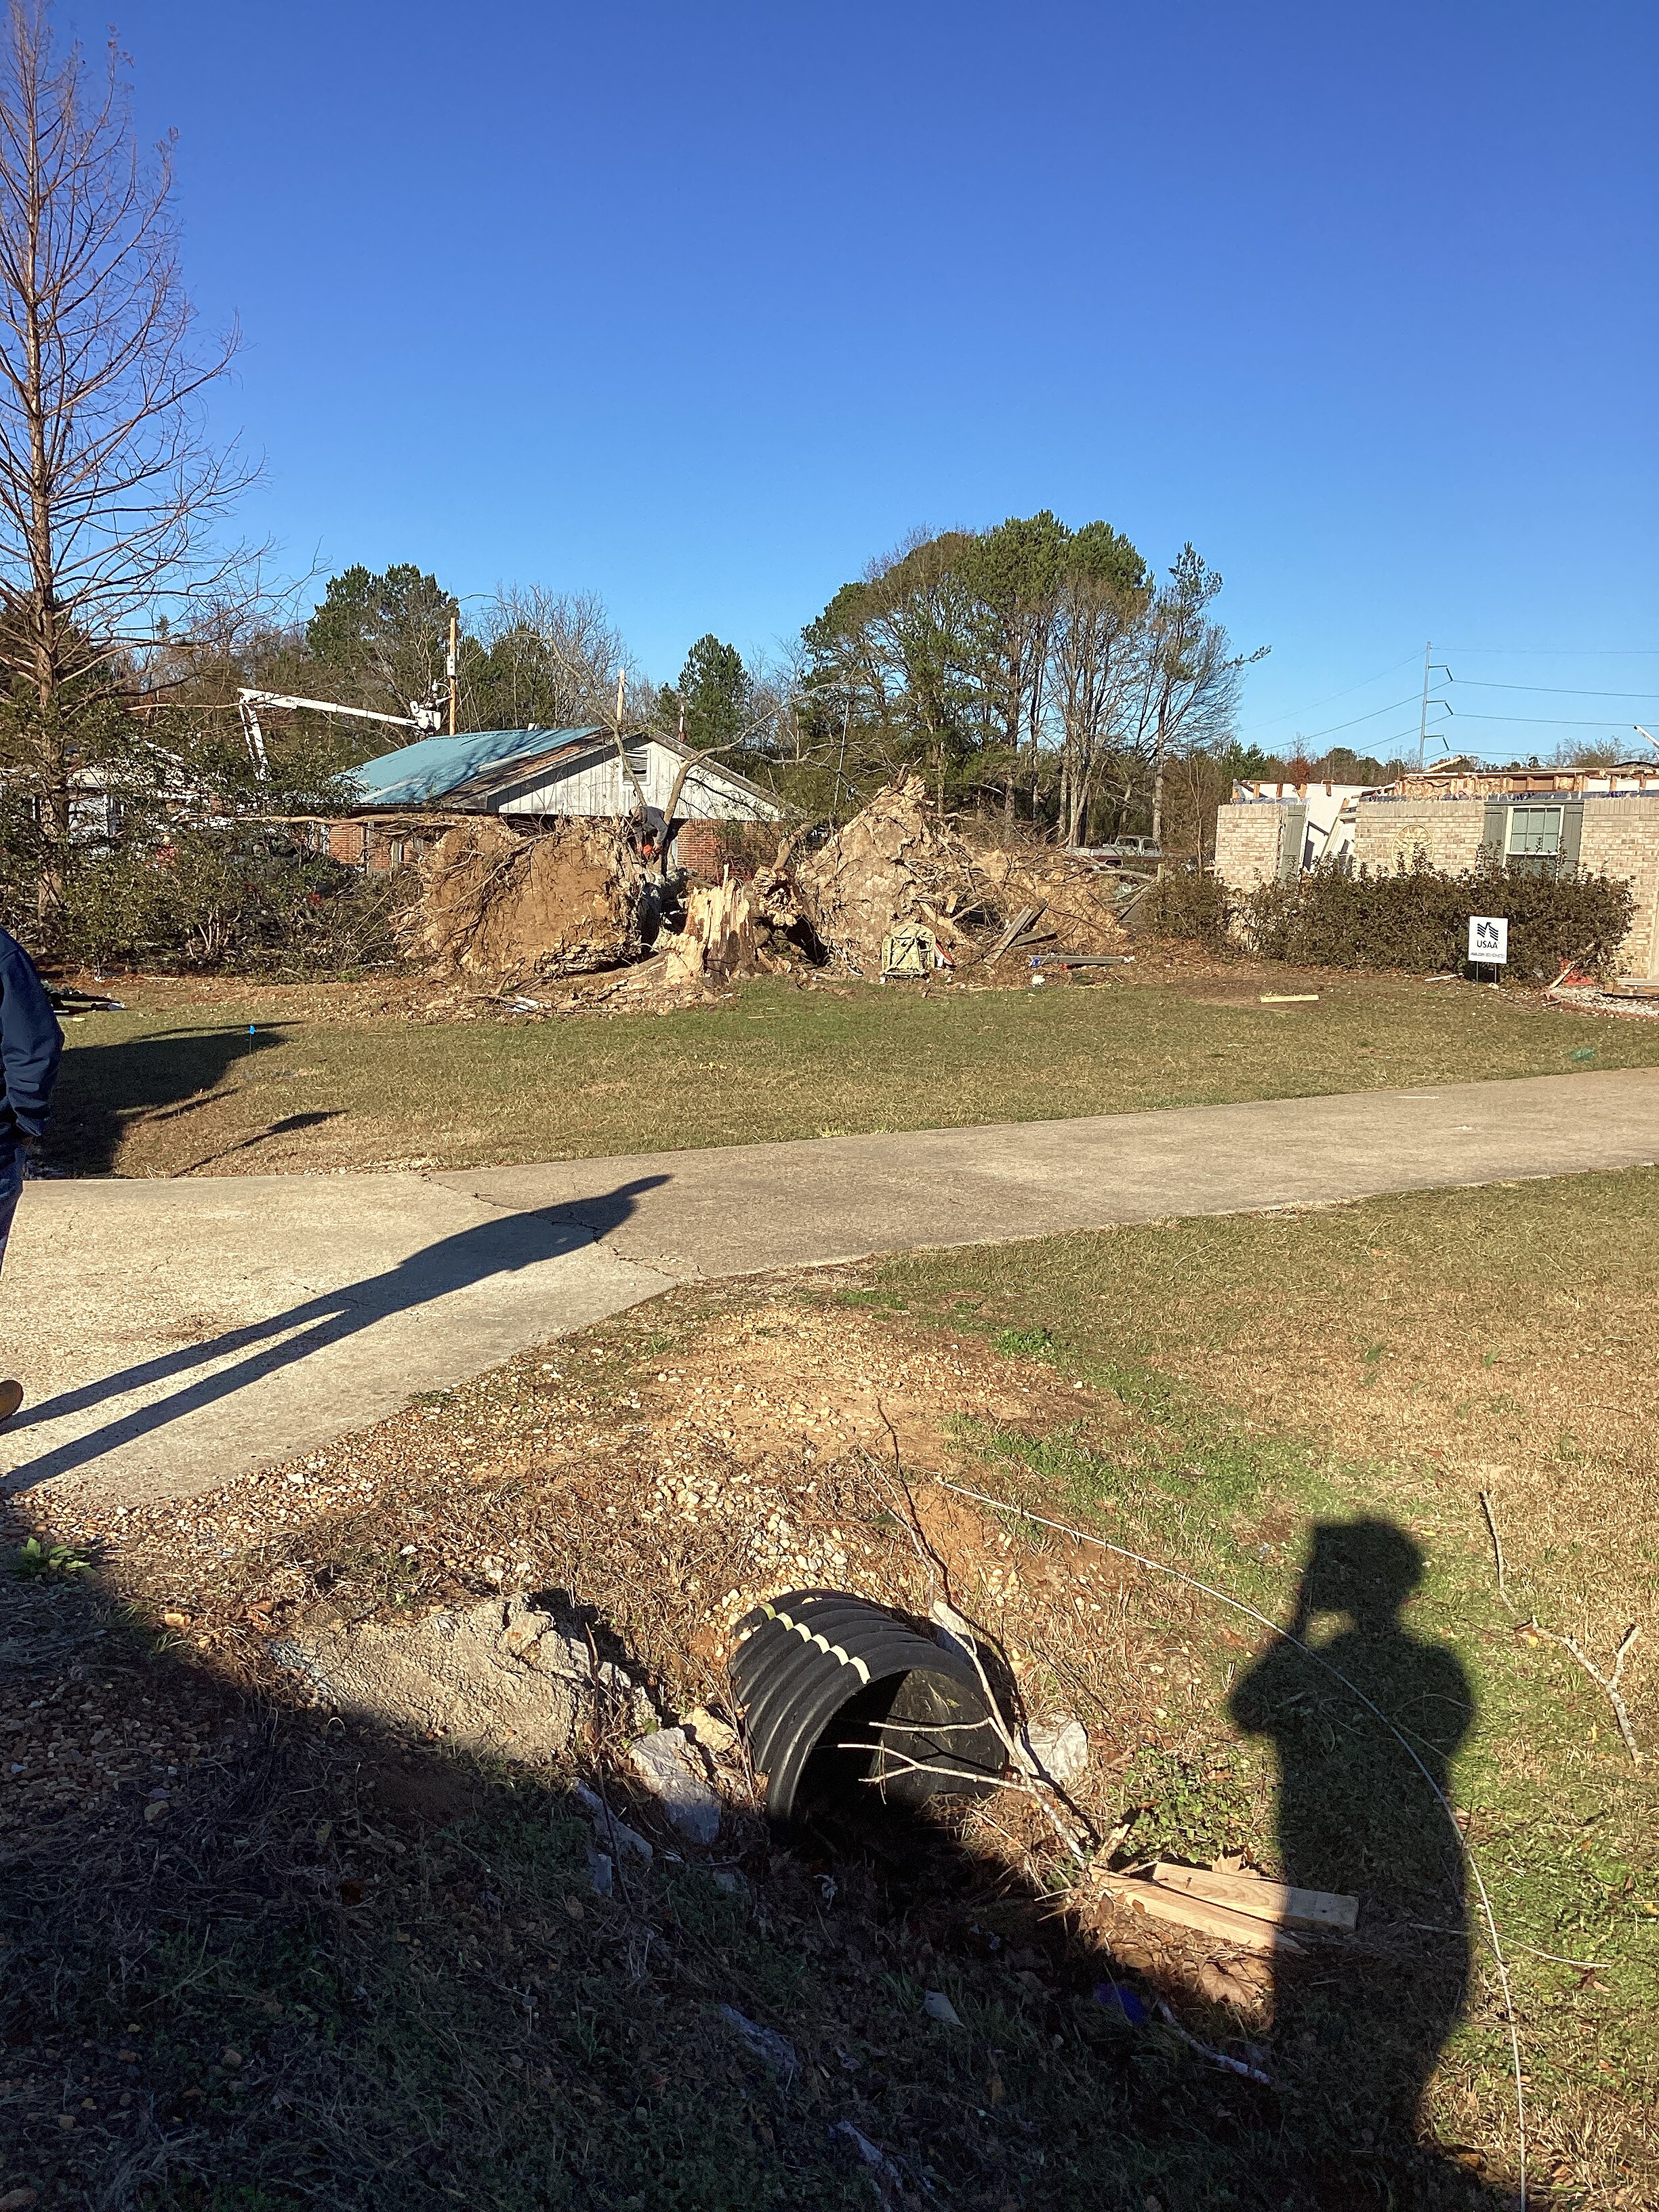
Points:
[401,1074]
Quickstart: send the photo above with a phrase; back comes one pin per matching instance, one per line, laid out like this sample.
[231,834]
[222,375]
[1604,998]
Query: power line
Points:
[1544,721]
[1347,691]
[1561,690]
[1305,738]
[1562,653]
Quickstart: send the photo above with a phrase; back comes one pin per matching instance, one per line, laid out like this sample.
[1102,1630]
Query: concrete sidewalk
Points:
[746,1207]
[171,1335]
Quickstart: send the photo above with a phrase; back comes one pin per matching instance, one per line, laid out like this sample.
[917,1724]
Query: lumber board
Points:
[1263,1899]
[1198,1913]
[1025,919]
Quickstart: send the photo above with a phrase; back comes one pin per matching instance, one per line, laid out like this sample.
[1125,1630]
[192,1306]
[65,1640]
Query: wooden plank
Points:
[1263,1899]
[1241,1928]
[1021,922]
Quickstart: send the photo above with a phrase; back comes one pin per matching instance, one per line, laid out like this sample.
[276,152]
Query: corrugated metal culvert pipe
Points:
[841,1699]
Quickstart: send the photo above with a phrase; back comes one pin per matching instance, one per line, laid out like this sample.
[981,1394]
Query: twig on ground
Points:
[1496,1546]
[1207,2050]
[1030,1785]
[1608,1684]
[1558,1957]
[611,1823]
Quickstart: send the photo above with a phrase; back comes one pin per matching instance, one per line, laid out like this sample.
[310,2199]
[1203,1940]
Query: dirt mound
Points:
[493,903]
[892,863]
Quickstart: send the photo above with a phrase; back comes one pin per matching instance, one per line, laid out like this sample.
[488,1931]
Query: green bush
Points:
[1416,918]
[1188,905]
[248,899]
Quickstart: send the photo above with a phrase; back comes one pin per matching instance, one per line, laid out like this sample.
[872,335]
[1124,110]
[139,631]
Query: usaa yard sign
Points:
[1489,939]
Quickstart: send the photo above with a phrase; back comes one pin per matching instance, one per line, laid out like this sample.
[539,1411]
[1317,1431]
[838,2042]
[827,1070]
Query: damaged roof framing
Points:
[555,772]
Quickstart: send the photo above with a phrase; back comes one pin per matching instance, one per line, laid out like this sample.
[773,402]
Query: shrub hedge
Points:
[246,901]
[1415,917]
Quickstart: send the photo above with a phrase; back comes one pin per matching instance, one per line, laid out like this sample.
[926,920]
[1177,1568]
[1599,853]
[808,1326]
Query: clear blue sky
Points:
[700,307]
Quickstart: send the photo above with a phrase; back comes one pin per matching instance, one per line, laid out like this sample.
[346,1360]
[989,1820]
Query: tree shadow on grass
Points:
[343,1966]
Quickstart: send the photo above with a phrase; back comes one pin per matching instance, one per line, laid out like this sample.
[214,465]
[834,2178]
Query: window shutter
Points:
[1572,834]
[1292,837]
[1494,834]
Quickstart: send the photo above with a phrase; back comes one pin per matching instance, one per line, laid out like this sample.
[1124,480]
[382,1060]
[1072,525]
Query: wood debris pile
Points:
[1077,908]
[895,865]
[576,899]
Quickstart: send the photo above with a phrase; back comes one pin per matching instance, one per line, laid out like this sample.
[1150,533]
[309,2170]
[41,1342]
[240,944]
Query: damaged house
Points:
[526,779]
[1605,820]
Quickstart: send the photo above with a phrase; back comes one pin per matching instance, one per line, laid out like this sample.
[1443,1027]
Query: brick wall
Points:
[1622,838]
[697,848]
[1447,831]
[378,845]
[1247,843]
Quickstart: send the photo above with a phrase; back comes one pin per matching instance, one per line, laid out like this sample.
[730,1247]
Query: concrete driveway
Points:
[174,1334]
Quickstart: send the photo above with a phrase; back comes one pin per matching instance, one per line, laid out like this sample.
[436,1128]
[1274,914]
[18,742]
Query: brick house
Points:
[1605,820]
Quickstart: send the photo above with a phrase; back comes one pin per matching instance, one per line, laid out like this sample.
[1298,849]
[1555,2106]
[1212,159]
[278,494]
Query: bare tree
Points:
[1189,680]
[109,486]
[1097,653]
[547,657]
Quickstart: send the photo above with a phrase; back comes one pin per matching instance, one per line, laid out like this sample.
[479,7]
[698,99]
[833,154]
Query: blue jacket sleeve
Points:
[31,1041]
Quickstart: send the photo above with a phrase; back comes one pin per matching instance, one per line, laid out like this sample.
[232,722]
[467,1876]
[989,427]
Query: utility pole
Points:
[454,641]
[1423,718]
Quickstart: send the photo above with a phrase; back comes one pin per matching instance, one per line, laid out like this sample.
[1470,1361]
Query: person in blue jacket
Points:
[31,1046]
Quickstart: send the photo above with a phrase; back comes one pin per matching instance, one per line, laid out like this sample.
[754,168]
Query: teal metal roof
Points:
[437,766]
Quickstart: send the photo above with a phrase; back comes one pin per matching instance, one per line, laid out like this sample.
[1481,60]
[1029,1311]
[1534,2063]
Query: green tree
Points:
[714,693]
[383,640]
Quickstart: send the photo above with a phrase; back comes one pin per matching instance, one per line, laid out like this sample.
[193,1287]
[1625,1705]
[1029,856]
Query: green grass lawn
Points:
[228,1081]
[1381,1365]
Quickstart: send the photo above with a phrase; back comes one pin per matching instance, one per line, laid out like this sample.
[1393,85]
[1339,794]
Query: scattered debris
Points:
[1278,1901]
[1290,997]
[621,1840]
[1059,1746]
[1224,1922]
[765,2044]
[1126,2003]
[876,2159]
[909,952]
[664,1762]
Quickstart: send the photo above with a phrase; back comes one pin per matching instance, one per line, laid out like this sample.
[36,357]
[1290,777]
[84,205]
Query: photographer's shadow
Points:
[1356,2039]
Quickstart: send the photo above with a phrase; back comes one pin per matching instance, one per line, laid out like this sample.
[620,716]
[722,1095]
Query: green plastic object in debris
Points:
[908,950]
